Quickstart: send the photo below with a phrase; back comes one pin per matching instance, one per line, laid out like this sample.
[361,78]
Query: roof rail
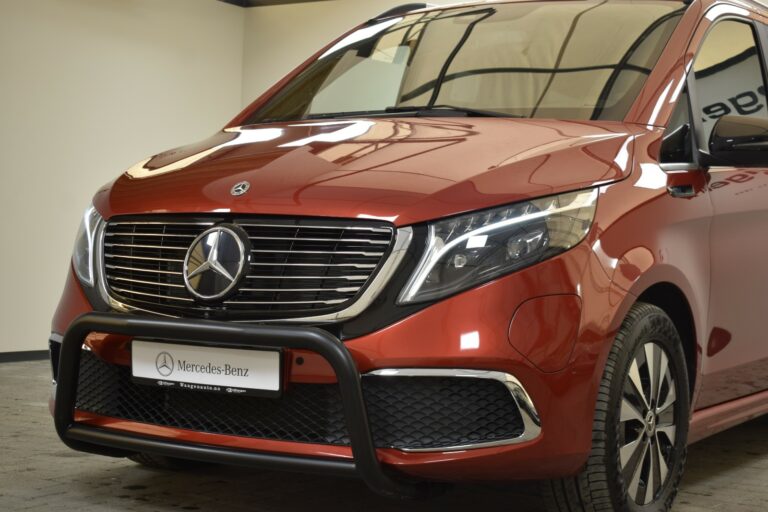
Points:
[403,9]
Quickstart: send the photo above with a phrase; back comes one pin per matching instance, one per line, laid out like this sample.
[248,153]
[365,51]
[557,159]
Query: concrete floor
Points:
[37,473]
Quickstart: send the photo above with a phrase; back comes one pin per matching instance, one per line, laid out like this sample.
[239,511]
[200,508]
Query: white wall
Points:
[87,88]
[279,38]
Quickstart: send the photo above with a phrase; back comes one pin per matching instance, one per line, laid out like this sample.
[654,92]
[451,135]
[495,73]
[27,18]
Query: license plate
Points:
[196,368]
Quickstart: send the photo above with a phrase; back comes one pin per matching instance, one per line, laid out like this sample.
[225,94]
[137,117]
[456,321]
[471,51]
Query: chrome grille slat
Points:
[165,235]
[289,226]
[139,281]
[302,302]
[299,268]
[139,269]
[344,253]
[147,294]
[142,258]
[334,240]
[344,278]
[350,289]
[159,223]
[142,246]
[331,265]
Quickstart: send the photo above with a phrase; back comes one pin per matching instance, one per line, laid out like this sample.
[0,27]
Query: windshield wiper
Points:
[418,111]
[438,110]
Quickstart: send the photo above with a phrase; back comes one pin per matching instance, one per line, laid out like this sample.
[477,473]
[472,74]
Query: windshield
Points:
[559,60]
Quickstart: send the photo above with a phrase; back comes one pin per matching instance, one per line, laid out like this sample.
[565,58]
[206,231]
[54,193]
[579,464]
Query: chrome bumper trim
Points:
[531,420]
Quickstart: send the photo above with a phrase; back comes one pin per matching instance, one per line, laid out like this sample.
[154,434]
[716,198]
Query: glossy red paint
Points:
[402,170]
[72,304]
[471,465]
[544,330]
[412,170]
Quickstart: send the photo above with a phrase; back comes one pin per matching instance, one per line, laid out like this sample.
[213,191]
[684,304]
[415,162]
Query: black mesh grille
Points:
[405,412]
[297,268]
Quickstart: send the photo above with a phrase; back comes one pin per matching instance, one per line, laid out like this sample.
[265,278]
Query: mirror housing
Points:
[738,141]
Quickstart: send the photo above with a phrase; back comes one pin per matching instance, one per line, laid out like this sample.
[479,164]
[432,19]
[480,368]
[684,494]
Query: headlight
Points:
[82,257]
[466,251]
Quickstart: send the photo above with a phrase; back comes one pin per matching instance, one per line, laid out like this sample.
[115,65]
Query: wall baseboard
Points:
[26,355]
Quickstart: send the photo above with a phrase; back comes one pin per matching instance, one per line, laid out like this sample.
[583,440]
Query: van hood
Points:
[404,170]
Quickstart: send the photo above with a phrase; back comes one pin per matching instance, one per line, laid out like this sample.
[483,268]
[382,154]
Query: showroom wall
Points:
[87,88]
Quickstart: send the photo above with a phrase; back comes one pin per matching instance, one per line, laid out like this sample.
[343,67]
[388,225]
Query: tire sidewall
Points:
[653,325]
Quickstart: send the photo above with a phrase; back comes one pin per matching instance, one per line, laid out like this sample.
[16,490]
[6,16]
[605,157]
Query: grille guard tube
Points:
[365,463]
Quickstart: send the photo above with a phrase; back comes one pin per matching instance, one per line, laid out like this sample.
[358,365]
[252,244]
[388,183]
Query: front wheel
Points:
[640,428]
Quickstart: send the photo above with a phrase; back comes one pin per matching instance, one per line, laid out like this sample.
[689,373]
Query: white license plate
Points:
[220,370]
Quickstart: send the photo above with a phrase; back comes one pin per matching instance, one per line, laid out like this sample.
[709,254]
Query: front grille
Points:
[404,412]
[298,267]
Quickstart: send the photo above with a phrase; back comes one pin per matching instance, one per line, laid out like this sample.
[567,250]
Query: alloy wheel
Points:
[648,424]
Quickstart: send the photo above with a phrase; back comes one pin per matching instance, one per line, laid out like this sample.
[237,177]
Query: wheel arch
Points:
[673,301]
[668,288]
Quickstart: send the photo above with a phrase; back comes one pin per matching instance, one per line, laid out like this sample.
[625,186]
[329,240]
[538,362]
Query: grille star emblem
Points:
[215,262]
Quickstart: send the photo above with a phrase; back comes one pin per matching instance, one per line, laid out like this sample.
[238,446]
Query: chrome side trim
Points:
[403,239]
[531,420]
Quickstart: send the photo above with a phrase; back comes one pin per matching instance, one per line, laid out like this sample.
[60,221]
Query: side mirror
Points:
[739,141]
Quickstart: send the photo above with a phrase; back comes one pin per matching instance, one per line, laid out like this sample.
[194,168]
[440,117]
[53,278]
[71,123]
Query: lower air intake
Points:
[404,412]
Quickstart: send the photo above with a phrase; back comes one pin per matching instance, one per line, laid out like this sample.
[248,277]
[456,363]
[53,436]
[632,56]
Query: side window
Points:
[677,146]
[729,75]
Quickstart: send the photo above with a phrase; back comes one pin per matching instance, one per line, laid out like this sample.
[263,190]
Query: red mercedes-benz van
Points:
[485,242]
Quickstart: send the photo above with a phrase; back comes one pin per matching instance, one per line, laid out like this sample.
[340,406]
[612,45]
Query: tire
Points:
[165,463]
[628,440]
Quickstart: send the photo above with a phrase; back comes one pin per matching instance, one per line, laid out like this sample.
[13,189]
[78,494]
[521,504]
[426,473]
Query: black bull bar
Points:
[364,463]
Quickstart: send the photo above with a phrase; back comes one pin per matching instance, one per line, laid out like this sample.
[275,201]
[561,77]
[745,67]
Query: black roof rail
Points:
[402,9]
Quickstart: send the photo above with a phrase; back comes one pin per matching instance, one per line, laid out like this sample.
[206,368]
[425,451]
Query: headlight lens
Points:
[466,251]
[82,257]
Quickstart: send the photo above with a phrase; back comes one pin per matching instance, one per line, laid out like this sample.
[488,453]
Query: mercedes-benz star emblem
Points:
[164,364]
[240,188]
[216,261]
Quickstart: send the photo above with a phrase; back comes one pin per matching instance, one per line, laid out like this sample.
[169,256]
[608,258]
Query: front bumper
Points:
[364,463]
[494,328]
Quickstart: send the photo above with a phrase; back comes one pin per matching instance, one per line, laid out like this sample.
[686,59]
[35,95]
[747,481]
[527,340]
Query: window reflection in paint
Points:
[242,136]
[470,341]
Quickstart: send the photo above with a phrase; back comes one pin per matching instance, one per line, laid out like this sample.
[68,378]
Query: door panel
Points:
[729,80]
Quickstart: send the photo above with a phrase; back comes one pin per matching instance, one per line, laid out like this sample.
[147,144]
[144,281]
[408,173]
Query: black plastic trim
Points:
[25,355]
[94,440]
[130,443]
[385,311]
